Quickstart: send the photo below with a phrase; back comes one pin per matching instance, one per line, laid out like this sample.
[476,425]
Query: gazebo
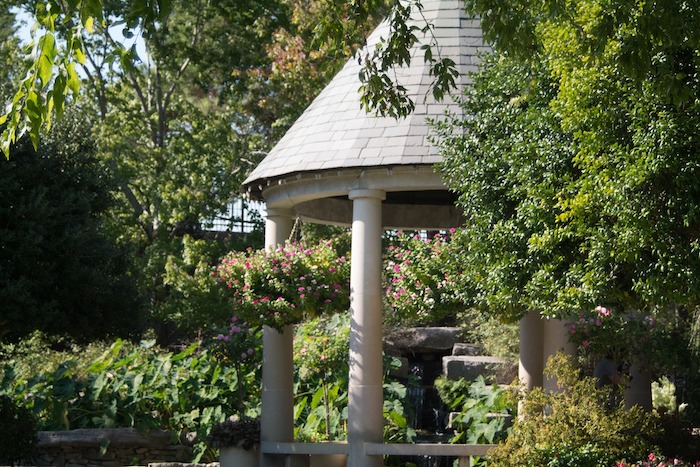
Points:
[338,165]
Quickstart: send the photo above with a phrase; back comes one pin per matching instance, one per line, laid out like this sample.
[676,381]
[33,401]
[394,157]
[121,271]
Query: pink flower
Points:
[585,344]
[303,351]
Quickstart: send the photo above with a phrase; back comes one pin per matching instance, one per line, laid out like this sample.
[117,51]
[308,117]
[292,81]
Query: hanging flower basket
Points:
[279,287]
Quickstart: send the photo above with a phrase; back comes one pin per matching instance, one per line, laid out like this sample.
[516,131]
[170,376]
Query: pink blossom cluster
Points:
[280,286]
[627,336]
[658,461]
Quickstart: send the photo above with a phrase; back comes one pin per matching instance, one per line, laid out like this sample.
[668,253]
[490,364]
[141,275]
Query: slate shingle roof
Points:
[334,132]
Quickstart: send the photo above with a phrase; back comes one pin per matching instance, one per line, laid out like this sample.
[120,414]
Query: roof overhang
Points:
[417,197]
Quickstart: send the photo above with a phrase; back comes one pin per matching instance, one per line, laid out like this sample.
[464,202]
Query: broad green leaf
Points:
[46,61]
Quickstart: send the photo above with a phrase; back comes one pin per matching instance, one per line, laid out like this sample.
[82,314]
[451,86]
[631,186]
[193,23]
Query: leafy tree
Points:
[60,272]
[576,197]
[182,115]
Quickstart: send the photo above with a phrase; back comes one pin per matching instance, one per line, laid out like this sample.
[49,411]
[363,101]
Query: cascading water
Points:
[428,415]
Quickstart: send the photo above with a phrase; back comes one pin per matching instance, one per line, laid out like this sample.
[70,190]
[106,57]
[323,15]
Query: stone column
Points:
[639,390]
[365,394]
[277,419]
[531,345]
[555,338]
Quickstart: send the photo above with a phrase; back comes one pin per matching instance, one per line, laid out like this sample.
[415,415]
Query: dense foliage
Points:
[60,269]
[557,223]
[483,410]
[321,347]
[17,433]
[132,386]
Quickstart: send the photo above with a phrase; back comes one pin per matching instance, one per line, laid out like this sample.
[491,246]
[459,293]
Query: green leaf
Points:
[73,82]
[45,64]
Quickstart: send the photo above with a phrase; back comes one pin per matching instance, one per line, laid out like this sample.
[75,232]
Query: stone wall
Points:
[110,448]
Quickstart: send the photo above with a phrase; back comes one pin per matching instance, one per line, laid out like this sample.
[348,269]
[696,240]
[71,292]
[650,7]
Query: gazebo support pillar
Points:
[277,419]
[365,392]
[555,339]
[531,356]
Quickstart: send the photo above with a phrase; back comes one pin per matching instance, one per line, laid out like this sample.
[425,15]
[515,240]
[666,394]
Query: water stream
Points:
[429,414]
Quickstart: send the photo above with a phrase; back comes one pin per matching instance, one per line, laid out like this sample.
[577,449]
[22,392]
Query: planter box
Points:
[239,457]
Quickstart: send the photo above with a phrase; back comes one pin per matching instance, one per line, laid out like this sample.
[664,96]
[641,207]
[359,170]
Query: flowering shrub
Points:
[278,287]
[654,460]
[419,277]
[240,342]
[627,337]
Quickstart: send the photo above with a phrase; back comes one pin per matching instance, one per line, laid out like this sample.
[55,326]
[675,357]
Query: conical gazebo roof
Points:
[335,142]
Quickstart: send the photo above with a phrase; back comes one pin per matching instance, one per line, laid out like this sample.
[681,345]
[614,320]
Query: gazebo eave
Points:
[322,196]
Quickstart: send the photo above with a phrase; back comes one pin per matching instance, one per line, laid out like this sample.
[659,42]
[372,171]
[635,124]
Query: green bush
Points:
[575,423]
[17,433]
[61,271]
[41,353]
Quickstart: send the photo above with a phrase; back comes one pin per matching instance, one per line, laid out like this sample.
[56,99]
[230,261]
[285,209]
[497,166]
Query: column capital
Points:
[277,212]
[367,193]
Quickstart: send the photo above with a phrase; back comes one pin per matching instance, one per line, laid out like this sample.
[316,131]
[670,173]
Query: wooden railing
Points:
[462,451]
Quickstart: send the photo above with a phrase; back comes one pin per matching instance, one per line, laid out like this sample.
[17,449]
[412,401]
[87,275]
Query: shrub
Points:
[321,347]
[575,422]
[17,433]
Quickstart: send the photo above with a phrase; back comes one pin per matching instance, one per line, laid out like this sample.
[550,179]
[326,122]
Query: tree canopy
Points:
[578,166]
[183,98]
[60,271]
[583,129]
